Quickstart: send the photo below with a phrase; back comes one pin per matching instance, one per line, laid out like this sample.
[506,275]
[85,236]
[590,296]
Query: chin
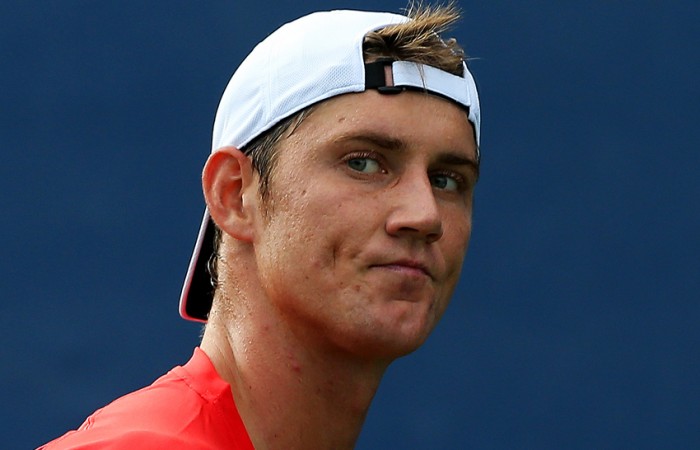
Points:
[389,341]
[393,348]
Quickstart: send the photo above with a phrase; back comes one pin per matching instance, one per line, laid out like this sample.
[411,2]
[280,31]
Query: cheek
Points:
[454,247]
[457,229]
[299,239]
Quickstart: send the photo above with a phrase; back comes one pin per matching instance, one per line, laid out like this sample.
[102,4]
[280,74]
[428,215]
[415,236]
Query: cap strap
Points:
[390,77]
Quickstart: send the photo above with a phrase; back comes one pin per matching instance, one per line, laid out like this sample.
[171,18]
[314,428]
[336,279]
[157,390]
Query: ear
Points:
[230,191]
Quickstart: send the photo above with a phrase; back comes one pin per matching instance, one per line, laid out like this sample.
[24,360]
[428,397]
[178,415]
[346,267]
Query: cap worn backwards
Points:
[311,59]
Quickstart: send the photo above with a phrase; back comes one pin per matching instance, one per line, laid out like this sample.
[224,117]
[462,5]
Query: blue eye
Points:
[445,182]
[364,165]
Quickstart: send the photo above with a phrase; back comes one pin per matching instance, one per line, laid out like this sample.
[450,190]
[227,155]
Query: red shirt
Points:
[190,407]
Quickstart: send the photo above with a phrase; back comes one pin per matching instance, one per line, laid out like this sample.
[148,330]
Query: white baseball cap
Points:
[311,59]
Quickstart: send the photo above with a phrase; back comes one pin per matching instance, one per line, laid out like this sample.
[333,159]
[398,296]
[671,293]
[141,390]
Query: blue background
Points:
[576,321]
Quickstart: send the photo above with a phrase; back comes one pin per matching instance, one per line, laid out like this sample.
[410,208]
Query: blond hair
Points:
[418,40]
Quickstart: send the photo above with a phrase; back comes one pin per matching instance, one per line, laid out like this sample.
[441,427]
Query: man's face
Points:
[369,220]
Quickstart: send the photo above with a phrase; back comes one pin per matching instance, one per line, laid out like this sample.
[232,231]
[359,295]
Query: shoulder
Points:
[154,417]
[122,440]
[188,408]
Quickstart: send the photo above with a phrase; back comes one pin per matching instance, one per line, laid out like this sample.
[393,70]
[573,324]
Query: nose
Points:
[415,211]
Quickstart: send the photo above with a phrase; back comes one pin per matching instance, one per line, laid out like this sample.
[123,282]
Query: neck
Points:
[290,393]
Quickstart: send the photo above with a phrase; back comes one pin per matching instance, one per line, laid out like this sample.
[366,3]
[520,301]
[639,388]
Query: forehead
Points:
[415,119]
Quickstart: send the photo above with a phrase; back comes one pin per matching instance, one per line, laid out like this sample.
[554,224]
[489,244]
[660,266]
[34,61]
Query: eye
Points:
[446,182]
[364,164]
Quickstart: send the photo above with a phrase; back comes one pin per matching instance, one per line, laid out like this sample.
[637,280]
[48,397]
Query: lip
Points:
[409,267]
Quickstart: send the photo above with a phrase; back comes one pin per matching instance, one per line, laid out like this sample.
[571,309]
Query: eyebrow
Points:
[377,139]
[389,143]
[459,160]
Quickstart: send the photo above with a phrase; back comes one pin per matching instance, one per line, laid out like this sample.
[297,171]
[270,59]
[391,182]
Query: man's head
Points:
[279,109]
[417,40]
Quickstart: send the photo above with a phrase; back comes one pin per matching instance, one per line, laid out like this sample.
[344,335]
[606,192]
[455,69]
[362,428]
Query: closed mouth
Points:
[408,267]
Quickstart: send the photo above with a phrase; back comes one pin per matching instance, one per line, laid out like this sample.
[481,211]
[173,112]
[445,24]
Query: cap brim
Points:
[197,291]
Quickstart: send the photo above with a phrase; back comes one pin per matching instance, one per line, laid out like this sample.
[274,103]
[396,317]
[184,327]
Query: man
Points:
[339,200]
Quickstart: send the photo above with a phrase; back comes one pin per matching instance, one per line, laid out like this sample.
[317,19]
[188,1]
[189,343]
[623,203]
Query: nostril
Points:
[427,231]
[435,236]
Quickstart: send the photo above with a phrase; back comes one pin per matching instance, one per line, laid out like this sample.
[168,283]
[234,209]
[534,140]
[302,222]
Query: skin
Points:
[348,266]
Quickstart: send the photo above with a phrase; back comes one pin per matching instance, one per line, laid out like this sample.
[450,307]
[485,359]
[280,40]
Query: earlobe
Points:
[227,180]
